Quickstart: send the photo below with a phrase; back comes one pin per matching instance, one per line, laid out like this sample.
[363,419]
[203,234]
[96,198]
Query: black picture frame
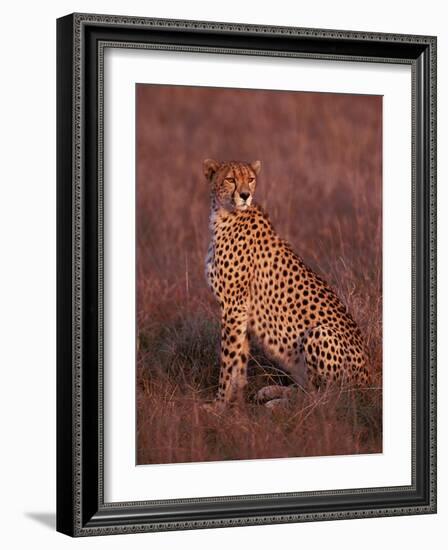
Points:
[81,509]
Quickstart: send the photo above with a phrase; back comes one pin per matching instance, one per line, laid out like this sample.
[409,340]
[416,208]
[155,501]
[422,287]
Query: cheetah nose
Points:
[244,196]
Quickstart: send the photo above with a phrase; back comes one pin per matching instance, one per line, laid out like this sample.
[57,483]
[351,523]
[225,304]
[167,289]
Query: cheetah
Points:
[267,294]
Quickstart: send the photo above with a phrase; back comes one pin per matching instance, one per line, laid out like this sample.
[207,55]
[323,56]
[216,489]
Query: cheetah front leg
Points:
[234,356]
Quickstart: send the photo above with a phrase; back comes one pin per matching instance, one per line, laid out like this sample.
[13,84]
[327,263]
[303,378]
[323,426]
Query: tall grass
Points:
[321,184]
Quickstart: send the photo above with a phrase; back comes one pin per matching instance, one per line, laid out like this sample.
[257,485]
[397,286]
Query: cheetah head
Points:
[232,183]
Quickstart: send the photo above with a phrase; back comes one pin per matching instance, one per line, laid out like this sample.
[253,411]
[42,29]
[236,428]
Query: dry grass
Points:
[321,184]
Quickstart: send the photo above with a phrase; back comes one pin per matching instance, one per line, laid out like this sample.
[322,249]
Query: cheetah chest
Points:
[210,266]
[227,264]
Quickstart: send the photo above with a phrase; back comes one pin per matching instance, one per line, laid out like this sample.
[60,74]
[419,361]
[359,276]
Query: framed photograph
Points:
[246,274]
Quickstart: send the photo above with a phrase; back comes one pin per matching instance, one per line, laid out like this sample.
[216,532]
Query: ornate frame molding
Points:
[81,42]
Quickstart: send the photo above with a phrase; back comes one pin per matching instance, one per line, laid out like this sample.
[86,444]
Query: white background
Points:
[27,352]
[125,482]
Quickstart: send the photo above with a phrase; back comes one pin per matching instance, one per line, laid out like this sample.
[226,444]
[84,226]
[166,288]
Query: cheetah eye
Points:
[251,180]
[230,180]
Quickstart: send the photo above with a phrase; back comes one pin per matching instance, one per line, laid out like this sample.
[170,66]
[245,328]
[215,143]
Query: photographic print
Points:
[259,274]
[259,271]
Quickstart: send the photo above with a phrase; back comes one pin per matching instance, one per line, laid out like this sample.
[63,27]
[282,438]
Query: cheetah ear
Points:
[210,166]
[256,166]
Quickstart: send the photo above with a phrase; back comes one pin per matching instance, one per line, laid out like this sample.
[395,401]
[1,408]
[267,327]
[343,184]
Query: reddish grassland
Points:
[321,185]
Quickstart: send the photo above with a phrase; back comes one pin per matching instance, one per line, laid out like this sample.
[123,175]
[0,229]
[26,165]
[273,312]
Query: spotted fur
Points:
[267,293]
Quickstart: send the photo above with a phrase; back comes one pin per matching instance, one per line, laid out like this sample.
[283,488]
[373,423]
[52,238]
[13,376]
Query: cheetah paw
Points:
[269,393]
[215,407]
[276,404]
